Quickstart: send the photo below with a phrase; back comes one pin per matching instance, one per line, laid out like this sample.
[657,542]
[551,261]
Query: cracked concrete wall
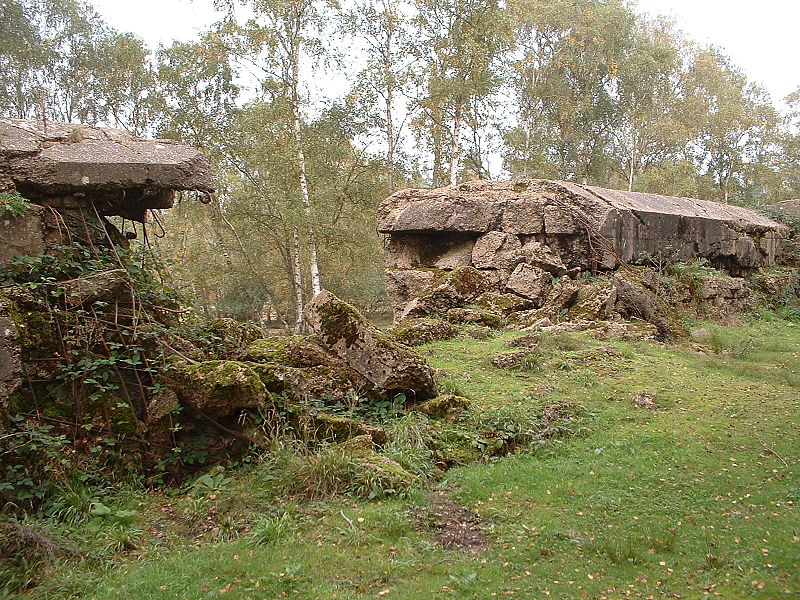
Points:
[23,235]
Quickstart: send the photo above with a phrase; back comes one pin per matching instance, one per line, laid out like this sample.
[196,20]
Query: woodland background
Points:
[314,111]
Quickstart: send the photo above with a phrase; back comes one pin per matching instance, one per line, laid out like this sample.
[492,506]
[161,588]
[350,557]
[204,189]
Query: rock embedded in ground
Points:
[526,358]
[320,426]
[448,406]
[370,352]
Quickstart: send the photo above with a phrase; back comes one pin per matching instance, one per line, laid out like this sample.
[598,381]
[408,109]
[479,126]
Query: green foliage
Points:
[270,529]
[212,482]
[503,431]
[36,464]
[12,205]
[351,467]
[692,273]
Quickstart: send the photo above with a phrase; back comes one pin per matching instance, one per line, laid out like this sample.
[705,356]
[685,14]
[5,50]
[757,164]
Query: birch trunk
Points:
[455,147]
[316,279]
[297,283]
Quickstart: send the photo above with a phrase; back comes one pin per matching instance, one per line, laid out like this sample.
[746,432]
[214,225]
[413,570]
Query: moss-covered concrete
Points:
[219,386]
[415,332]
[475,316]
[502,303]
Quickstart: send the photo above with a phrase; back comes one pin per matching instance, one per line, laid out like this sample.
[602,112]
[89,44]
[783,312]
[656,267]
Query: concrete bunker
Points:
[522,234]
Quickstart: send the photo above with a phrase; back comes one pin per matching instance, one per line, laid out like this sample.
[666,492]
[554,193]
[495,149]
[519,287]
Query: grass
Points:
[695,499]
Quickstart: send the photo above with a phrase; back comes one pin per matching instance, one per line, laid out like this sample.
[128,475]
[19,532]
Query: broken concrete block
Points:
[595,302]
[414,332]
[365,349]
[457,288]
[23,235]
[496,250]
[540,255]
[502,303]
[567,229]
[531,282]
[636,301]
[559,220]
[404,285]
[56,156]
[99,286]
[218,387]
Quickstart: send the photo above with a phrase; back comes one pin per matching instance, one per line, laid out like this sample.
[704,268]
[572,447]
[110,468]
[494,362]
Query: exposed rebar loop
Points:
[593,234]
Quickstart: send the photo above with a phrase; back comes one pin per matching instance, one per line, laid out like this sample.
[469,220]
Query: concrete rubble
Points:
[368,351]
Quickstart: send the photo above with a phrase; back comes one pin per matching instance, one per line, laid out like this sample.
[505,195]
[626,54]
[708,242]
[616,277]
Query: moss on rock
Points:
[448,406]
[475,316]
[219,386]
[375,355]
[416,332]
[292,351]
[502,303]
[229,337]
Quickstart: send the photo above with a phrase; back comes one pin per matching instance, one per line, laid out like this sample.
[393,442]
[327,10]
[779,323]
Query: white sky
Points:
[761,37]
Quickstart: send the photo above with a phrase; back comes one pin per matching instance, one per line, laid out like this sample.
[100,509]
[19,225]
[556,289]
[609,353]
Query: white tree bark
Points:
[455,146]
[297,283]
[316,278]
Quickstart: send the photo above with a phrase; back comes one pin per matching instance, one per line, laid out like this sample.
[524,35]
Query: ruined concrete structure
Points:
[73,177]
[522,235]
[94,345]
[73,172]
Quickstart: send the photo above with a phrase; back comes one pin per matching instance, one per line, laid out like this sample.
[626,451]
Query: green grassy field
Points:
[695,497]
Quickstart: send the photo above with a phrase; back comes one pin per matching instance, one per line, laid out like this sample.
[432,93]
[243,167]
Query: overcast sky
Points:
[761,37]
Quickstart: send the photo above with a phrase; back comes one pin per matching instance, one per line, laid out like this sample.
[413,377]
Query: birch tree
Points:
[384,28]
[730,119]
[461,45]
[273,45]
